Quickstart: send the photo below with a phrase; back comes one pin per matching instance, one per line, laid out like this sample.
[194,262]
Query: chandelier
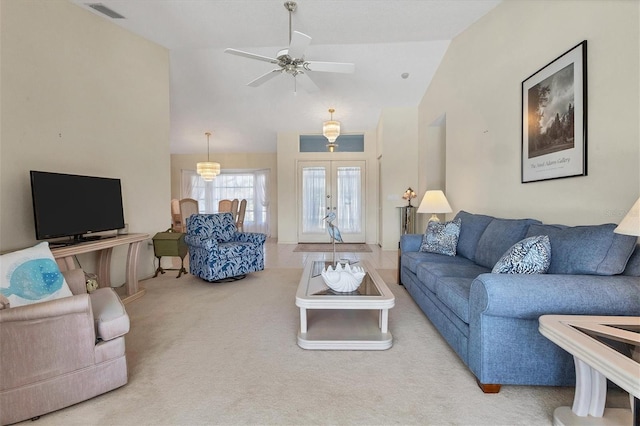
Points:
[331,131]
[208,170]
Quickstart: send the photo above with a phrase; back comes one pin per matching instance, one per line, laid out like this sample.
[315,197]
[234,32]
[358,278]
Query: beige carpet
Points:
[328,248]
[202,354]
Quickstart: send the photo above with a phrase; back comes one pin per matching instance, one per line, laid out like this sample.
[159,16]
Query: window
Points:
[318,143]
[251,185]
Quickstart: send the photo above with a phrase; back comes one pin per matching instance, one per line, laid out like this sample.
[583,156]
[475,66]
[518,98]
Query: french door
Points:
[331,186]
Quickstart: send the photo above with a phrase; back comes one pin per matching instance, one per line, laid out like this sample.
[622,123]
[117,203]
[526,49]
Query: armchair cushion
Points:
[31,276]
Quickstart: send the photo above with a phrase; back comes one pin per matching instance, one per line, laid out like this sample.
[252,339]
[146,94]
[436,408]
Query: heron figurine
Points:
[334,232]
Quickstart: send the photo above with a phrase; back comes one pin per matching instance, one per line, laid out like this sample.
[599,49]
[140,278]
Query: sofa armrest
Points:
[76,280]
[530,296]
[31,334]
[410,242]
[250,237]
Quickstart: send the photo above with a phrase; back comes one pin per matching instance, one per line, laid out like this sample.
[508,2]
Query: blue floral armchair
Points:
[218,251]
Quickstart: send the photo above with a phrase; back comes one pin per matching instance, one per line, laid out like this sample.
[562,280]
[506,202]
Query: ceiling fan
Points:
[291,60]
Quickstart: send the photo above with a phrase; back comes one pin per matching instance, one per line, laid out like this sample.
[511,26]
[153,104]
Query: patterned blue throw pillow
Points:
[441,238]
[529,256]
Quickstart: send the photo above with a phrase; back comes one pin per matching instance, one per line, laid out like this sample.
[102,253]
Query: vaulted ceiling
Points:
[209,92]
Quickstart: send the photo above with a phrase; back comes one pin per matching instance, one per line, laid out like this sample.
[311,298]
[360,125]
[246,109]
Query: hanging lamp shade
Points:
[331,128]
[208,170]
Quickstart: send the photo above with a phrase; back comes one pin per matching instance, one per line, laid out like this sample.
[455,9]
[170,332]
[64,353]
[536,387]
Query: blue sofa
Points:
[491,320]
[217,251]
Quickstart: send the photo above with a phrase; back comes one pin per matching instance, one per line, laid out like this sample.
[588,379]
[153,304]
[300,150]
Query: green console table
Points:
[170,244]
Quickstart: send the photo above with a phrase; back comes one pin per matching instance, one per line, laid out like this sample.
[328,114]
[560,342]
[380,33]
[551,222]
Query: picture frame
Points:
[554,118]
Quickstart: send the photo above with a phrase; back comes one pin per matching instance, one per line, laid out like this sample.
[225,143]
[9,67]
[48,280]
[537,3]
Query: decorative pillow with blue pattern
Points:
[31,276]
[441,238]
[529,256]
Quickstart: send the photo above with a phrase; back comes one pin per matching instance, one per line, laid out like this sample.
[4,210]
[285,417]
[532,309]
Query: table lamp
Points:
[434,202]
[630,224]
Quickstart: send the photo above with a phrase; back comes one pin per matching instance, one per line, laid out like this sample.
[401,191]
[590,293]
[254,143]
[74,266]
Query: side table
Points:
[170,243]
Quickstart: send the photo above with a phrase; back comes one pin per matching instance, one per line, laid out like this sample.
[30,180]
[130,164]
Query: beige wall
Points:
[288,157]
[253,161]
[398,152]
[81,95]
[478,87]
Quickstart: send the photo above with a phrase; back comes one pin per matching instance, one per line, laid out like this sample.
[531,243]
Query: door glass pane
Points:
[313,199]
[348,203]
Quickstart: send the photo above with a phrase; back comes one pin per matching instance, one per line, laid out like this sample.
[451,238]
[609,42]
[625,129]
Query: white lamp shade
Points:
[434,202]
[630,224]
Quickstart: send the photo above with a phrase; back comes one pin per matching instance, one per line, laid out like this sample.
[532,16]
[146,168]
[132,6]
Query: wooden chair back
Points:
[188,206]
[224,206]
[241,211]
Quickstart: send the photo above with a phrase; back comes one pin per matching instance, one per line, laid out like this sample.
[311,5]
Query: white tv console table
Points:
[104,247]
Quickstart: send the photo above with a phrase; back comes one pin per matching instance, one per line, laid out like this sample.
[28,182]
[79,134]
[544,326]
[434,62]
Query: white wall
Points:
[398,148]
[478,86]
[287,158]
[81,95]
[254,161]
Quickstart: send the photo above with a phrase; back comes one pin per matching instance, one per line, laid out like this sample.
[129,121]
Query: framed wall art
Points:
[554,118]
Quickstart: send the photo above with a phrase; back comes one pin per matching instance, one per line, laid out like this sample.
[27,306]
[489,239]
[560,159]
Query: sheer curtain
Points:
[314,204]
[252,185]
[349,199]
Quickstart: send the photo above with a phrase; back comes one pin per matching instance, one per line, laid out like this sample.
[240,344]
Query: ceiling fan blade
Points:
[251,55]
[298,45]
[264,78]
[306,83]
[342,67]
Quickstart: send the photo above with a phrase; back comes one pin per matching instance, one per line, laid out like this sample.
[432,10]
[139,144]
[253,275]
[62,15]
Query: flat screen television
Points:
[76,206]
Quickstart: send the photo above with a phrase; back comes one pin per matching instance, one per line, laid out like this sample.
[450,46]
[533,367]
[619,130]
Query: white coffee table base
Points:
[343,330]
[564,416]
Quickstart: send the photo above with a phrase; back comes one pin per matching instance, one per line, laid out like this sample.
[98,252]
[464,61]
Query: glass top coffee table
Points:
[343,321]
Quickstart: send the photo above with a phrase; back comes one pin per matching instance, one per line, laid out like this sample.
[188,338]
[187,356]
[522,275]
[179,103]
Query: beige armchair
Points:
[57,353]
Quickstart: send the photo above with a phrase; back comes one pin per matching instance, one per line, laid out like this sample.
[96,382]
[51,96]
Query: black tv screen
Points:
[73,205]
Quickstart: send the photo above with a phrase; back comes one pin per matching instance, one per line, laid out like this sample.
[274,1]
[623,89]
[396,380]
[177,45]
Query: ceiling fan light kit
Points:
[208,170]
[292,61]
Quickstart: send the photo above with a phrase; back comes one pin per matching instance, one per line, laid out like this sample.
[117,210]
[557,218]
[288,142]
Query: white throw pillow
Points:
[31,276]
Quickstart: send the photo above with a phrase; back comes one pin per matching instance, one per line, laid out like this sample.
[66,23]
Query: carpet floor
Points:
[328,248]
[201,354]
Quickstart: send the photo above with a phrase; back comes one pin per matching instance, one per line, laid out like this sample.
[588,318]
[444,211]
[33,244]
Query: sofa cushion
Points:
[31,276]
[412,259]
[471,228]
[110,317]
[441,238]
[529,256]
[590,250]
[430,273]
[454,293]
[499,235]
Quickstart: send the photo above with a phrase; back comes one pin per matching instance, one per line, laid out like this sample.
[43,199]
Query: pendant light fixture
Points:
[331,131]
[208,170]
